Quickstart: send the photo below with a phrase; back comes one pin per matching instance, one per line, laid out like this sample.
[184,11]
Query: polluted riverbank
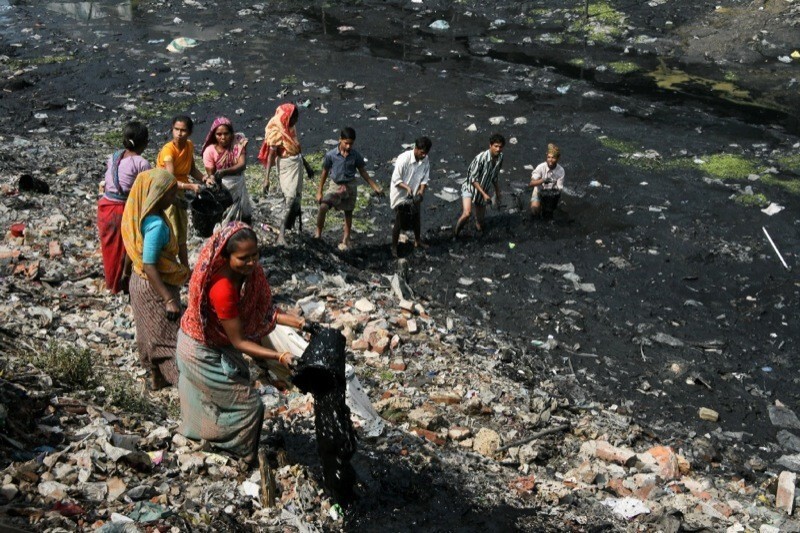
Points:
[650,295]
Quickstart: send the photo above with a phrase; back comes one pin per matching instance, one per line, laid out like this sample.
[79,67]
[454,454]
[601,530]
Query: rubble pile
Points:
[94,450]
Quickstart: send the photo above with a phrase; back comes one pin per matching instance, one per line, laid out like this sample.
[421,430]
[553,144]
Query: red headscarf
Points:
[256,311]
[280,133]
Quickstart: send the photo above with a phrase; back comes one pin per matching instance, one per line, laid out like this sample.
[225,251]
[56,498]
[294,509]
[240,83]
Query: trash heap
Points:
[447,437]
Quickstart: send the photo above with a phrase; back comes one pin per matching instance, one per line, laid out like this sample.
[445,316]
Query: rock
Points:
[783,417]
[486,442]
[364,305]
[142,492]
[788,440]
[96,491]
[791,462]
[381,345]
[116,487]
[663,461]
[426,418]
[398,364]
[708,414]
[784,497]
[449,398]
[669,340]
[8,492]
[360,345]
[53,489]
[412,326]
[429,436]
[607,452]
[458,433]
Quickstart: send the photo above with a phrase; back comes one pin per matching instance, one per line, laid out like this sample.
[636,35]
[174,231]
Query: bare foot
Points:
[343,246]
[281,241]
[394,252]
[421,244]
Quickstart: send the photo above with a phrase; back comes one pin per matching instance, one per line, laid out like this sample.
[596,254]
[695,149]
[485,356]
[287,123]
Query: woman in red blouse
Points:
[230,311]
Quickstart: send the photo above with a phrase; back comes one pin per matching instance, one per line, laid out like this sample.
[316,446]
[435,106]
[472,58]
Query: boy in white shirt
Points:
[409,181]
[547,176]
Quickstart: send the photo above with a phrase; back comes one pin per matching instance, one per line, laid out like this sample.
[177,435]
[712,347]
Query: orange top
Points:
[181,159]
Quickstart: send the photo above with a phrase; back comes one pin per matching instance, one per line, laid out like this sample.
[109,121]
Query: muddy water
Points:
[321,371]
[696,265]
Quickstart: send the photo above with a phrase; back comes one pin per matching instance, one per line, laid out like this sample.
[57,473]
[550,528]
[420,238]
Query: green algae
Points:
[751,200]
[728,166]
[791,162]
[623,67]
[19,63]
[677,80]
[791,185]
[618,145]
[148,110]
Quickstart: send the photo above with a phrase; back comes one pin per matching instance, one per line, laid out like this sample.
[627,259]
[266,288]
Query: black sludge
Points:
[321,372]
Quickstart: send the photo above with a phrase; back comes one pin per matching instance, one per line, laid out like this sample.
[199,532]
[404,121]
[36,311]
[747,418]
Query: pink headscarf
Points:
[210,139]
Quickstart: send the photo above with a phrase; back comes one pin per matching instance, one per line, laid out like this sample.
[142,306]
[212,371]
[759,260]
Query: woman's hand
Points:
[194,187]
[285,358]
[310,327]
[173,309]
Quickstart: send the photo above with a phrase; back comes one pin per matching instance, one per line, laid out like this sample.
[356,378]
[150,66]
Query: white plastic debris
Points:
[627,507]
[772,209]
[180,44]
[439,25]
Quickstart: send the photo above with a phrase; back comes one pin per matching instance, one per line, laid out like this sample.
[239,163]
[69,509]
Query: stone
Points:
[53,489]
[791,462]
[449,398]
[429,436]
[617,486]
[607,452]
[381,345]
[54,249]
[360,345]
[426,418]
[663,461]
[523,485]
[8,491]
[364,305]
[458,433]
[96,491]
[708,414]
[116,487]
[142,492]
[486,442]
[783,417]
[411,325]
[398,364]
[789,440]
[784,497]
[407,305]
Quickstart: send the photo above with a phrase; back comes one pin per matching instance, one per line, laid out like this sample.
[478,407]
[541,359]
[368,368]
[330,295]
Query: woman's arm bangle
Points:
[169,301]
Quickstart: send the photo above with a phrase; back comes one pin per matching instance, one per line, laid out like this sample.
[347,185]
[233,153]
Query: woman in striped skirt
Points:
[155,288]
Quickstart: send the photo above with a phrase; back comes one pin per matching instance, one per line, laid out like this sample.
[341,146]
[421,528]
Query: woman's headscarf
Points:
[256,311]
[148,189]
[229,158]
[279,133]
[210,138]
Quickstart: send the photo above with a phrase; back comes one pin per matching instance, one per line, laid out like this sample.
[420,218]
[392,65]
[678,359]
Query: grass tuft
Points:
[126,394]
[68,365]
